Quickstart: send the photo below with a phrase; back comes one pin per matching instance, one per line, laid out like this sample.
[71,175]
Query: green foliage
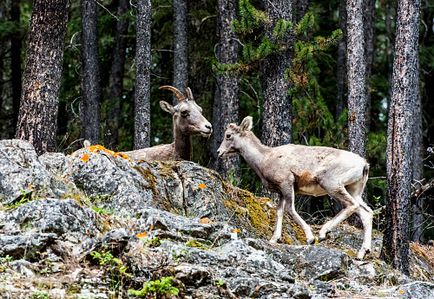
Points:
[156,288]
[250,18]
[282,28]
[40,295]
[113,266]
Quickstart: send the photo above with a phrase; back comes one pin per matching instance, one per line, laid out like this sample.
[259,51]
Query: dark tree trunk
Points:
[356,73]
[116,77]
[277,115]
[300,9]
[417,219]
[37,121]
[404,97]
[16,62]
[91,90]
[368,22]
[180,67]
[341,72]
[3,46]
[142,117]
[226,105]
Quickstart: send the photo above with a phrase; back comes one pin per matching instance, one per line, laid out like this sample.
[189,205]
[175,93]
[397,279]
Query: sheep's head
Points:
[187,114]
[231,143]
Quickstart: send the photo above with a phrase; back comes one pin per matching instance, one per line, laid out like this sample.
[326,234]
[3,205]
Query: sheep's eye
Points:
[228,136]
[184,113]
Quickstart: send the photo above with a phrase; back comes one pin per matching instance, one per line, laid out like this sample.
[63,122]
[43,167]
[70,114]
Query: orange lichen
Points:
[236,230]
[202,186]
[85,158]
[204,220]
[97,148]
[142,235]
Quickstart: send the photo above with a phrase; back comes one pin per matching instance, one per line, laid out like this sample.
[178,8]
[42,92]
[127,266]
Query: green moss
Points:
[196,244]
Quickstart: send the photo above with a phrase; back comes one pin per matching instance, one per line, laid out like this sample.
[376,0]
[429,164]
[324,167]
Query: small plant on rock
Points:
[160,288]
[114,266]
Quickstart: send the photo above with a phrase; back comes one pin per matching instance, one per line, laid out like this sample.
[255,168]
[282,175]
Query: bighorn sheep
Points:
[309,170]
[187,120]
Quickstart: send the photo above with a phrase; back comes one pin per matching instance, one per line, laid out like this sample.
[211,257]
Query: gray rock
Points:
[21,173]
[28,245]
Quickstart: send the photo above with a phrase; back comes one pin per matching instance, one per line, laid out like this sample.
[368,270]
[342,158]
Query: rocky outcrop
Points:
[95,224]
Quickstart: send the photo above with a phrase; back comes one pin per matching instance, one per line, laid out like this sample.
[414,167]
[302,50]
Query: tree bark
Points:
[356,73]
[341,71]
[180,63]
[37,121]
[417,218]
[226,104]
[116,77]
[368,22]
[142,117]
[16,62]
[277,115]
[91,90]
[404,96]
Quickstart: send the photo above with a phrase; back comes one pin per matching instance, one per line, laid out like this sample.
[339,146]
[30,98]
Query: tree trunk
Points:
[180,67]
[226,104]
[417,219]
[16,62]
[300,9]
[3,46]
[116,77]
[356,73]
[368,22]
[277,115]
[341,72]
[404,96]
[91,90]
[142,117]
[37,121]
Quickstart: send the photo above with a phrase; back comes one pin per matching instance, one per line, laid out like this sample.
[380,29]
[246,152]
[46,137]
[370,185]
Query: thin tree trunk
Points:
[37,121]
[368,22]
[341,72]
[91,90]
[226,104]
[16,62]
[277,115]
[116,77]
[180,67]
[142,117]
[417,219]
[3,46]
[405,93]
[356,72]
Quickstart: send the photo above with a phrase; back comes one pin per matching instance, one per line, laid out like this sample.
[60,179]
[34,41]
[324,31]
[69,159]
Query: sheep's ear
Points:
[246,124]
[167,107]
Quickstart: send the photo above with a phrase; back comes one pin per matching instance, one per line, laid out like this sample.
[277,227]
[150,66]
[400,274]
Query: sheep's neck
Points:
[254,152]
[183,146]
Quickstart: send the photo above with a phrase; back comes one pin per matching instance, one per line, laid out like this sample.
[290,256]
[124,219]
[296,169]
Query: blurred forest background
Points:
[234,55]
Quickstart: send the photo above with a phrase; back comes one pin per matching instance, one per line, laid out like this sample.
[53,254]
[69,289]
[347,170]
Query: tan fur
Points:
[183,128]
[309,170]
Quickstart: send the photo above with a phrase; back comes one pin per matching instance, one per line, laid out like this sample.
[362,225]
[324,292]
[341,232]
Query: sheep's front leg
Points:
[310,239]
[287,201]
[278,230]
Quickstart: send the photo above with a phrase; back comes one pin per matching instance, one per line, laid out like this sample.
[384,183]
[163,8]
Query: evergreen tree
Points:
[37,121]
[404,97]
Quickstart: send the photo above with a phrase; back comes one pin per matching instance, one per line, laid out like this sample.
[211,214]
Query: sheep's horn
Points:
[189,94]
[179,95]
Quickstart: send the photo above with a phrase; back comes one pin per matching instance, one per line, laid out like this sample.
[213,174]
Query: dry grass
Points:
[424,251]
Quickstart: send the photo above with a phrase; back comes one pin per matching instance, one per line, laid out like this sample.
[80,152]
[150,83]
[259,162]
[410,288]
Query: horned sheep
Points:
[187,121]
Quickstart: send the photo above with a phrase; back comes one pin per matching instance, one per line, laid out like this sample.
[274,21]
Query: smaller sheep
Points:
[309,170]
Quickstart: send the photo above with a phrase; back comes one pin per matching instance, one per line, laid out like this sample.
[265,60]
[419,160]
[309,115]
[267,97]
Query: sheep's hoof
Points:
[273,241]
[310,241]
[362,252]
